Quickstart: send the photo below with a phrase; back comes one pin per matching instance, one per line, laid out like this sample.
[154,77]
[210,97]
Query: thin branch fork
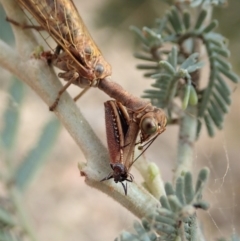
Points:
[42,79]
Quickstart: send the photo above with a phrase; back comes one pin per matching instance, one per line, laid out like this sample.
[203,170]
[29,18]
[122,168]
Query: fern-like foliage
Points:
[16,177]
[173,81]
[171,49]
[177,216]
[234,237]
[196,3]
[10,226]
[10,230]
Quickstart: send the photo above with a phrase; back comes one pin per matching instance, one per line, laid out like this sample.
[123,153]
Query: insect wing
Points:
[62,21]
[116,131]
[119,132]
[121,137]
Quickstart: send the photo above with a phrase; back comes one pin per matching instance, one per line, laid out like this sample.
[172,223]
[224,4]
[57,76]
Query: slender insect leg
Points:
[24,26]
[84,83]
[74,77]
[81,93]
[124,188]
[107,177]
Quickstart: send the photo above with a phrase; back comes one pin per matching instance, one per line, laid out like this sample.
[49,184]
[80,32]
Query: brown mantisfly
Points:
[83,65]
[122,128]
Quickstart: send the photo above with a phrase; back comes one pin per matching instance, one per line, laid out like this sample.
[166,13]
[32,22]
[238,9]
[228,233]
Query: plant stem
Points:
[188,122]
[151,175]
[187,137]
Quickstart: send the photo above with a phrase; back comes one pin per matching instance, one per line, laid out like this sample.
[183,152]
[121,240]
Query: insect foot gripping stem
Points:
[119,174]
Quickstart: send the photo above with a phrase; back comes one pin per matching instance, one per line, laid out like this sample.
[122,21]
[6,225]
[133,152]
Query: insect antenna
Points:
[147,145]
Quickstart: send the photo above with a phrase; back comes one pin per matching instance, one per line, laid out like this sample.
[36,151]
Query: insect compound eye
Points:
[149,126]
[99,69]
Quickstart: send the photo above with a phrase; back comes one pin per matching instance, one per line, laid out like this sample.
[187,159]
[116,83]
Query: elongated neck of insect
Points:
[117,92]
